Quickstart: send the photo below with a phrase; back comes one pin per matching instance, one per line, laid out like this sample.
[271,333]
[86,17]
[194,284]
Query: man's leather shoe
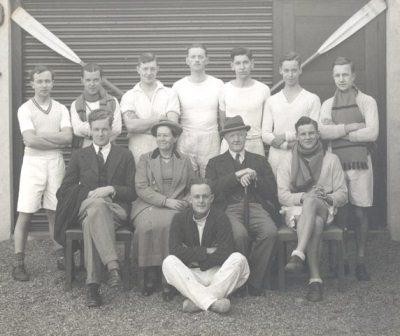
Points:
[114,279]
[295,264]
[168,293]
[253,291]
[93,298]
[314,292]
[361,273]
[19,273]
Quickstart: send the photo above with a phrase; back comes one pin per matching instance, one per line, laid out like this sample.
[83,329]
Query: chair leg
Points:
[281,264]
[69,259]
[331,257]
[127,264]
[340,265]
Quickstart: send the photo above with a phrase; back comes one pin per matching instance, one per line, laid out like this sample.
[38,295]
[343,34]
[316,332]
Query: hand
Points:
[211,250]
[244,171]
[278,140]
[327,122]
[101,192]
[246,180]
[353,127]
[176,204]
[290,144]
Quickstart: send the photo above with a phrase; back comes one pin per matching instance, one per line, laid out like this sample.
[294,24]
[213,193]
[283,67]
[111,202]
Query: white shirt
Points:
[201,222]
[248,102]
[198,103]
[241,155]
[280,116]
[105,150]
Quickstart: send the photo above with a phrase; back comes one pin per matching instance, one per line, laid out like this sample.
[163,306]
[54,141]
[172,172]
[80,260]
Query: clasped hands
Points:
[246,176]
[101,192]
[318,191]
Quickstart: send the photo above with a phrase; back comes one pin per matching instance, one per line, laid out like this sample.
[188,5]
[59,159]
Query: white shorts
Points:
[292,214]
[40,179]
[360,183]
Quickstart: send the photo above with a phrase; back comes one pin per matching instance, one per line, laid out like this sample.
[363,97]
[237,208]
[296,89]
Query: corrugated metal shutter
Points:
[114,33]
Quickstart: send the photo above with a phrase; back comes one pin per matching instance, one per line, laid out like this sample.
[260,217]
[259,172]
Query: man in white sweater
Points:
[350,121]
[311,185]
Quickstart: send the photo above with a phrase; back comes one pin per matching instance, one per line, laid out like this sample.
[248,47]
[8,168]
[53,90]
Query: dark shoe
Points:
[295,264]
[19,273]
[314,292]
[61,264]
[148,289]
[361,273]
[150,277]
[93,298]
[168,293]
[114,279]
[253,291]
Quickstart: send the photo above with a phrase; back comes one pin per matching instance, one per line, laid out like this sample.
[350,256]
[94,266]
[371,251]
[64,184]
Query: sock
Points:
[300,254]
[315,280]
[19,259]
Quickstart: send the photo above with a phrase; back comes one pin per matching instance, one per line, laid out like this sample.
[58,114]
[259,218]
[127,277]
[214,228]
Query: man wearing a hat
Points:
[245,187]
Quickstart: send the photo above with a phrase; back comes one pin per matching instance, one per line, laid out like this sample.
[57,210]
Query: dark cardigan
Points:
[184,239]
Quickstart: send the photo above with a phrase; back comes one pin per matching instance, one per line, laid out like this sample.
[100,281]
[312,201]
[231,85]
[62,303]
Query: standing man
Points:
[350,120]
[94,97]
[105,174]
[245,187]
[144,105]
[246,97]
[46,129]
[202,264]
[311,186]
[198,98]
[284,108]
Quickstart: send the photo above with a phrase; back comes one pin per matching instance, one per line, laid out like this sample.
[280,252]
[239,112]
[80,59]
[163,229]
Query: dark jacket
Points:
[184,239]
[221,170]
[82,176]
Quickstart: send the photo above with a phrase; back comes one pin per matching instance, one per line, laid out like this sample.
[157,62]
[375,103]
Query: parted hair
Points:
[199,181]
[91,67]
[100,114]
[341,60]
[290,56]
[146,58]
[38,69]
[241,51]
[305,121]
[197,45]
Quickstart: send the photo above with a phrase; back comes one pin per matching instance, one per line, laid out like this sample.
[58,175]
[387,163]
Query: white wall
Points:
[6,213]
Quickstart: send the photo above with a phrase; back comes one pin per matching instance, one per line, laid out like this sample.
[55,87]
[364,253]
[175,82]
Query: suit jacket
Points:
[83,169]
[221,173]
[149,184]
[184,239]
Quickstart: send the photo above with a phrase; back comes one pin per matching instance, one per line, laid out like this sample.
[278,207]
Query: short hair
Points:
[91,67]
[305,121]
[146,58]
[241,51]
[199,181]
[197,45]
[290,56]
[38,69]
[100,114]
[341,60]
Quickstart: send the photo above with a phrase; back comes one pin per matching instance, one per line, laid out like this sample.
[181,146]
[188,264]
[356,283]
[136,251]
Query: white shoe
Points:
[188,306]
[221,306]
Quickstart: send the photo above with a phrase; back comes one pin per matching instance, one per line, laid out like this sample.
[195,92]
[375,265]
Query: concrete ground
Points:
[42,307]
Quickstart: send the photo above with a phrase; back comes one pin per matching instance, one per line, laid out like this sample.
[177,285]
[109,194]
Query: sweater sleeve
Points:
[327,128]
[286,197]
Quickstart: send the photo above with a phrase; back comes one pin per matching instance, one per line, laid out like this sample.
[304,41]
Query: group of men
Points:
[226,238]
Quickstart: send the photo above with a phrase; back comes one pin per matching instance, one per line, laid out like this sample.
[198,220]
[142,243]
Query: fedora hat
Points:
[234,124]
[175,128]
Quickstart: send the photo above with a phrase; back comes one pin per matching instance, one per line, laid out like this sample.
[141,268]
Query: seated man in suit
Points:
[201,264]
[107,173]
[311,185]
[245,186]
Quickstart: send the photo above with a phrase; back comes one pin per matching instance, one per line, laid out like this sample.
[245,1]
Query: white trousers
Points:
[206,287]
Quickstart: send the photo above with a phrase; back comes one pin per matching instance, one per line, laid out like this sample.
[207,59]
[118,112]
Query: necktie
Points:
[237,159]
[100,157]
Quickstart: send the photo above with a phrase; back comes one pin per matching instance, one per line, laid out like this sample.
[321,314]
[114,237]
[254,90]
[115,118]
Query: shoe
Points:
[114,278]
[149,281]
[19,273]
[314,292]
[253,291]
[168,293]
[221,306]
[93,297]
[188,306]
[61,264]
[361,273]
[295,264]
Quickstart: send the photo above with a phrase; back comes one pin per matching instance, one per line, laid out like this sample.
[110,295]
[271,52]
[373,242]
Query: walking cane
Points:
[246,210]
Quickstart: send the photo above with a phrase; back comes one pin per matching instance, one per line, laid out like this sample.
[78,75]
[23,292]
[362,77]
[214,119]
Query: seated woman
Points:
[162,180]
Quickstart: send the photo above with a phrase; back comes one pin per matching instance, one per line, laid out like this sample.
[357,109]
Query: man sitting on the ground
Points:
[311,185]
[201,265]
[245,186]
[107,173]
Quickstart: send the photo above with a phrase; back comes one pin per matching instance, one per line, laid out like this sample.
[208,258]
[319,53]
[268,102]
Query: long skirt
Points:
[151,238]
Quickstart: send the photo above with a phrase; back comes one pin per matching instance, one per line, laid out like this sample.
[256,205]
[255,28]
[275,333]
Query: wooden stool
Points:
[331,234]
[121,235]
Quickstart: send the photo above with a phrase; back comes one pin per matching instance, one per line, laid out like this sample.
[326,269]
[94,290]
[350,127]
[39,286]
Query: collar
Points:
[201,220]
[138,88]
[105,148]
[241,154]
[156,153]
